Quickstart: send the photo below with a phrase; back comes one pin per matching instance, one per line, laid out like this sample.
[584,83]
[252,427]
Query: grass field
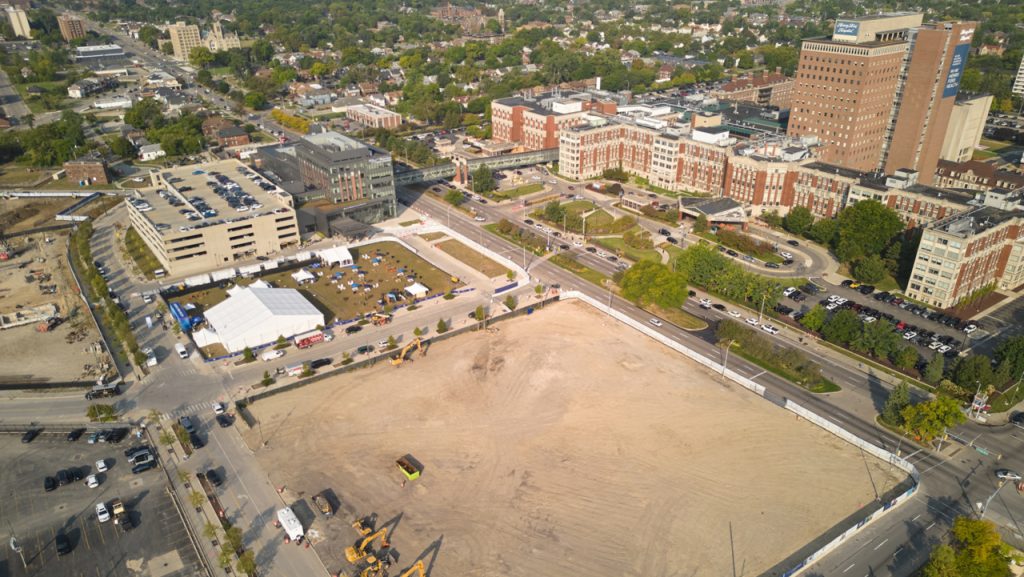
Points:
[472,258]
[679,317]
[337,303]
[13,174]
[432,236]
[409,223]
[518,191]
[619,246]
[581,270]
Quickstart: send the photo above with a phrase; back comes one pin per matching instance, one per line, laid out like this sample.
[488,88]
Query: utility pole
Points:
[760,312]
[984,508]
[16,547]
[725,363]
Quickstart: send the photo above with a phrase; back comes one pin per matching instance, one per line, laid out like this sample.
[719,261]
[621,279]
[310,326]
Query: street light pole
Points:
[760,312]
[725,363]
[16,547]
[984,508]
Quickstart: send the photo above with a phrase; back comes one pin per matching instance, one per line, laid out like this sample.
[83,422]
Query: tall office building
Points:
[878,92]
[19,22]
[71,28]
[184,37]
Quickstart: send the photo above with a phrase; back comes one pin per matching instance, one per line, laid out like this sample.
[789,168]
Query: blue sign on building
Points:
[956,70]
[846,28]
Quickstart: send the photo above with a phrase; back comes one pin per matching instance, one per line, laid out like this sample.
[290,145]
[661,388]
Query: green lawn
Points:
[574,266]
[335,299]
[616,244]
[766,256]
[220,71]
[13,174]
[472,258]
[983,155]
[432,236]
[409,223]
[518,191]
[679,317]
[493,229]
[673,250]
[826,386]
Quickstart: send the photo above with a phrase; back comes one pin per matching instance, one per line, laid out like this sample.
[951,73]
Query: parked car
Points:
[62,543]
[196,440]
[186,423]
[92,481]
[142,467]
[317,363]
[792,243]
[365,350]
[75,434]
[1008,475]
[49,484]
[751,321]
[29,435]
[771,265]
[102,514]
[224,421]
[213,478]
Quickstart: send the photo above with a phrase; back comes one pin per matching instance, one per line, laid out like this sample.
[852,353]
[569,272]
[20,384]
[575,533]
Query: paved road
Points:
[13,105]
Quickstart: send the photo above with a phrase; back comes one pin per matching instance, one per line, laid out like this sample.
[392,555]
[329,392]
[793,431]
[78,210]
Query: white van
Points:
[272,354]
[182,350]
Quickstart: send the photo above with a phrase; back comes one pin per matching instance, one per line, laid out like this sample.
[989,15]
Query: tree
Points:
[204,76]
[479,314]
[929,419]
[149,34]
[392,343]
[233,538]
[649,282]
[973,370]
[122,147]
[226,555]
[511,303]
[442,327]
[196,498]
[246,563]
[877,338]
[977,551]
[417,331]
[167,438]
[865,229]
[899,399]
[454,197]
[483,180]
[870,269]
[145,114]
[905,357]
[815,318]
[200,56]
[842,328]
[823,232]
[280,342]
[554,211]
[942,563]
[1011,351]
[934,370]
[267,379]
[256,100]
[798,220]
[247,355]
[210,531]
[616,174]
[702,223]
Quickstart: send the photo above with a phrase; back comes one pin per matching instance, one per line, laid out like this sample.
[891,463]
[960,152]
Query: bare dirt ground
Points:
[21,214]
[564,444]
[27,354]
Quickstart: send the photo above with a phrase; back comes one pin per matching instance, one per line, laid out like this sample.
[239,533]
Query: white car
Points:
[945,349]
[769,329]
[655,322]
[869,319]
[218,408]
[1008,475]
[101,466]
[734,314]
[101,513]
[479,218]
[788,291]
[92,482]
[751,321]
[934,345]
[602,254]
[831,306]
[383,343]
[577,243]
[147,299]
[786,255]
[970,328]
[909,335]
[705,303]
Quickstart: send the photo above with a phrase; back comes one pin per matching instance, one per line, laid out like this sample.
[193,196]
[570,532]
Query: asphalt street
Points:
[13,105]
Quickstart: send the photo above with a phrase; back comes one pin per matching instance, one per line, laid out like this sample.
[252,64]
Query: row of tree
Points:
[47,145]
[707,268]
[804,371]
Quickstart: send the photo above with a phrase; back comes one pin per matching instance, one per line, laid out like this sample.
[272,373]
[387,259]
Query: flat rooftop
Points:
[201,195]
[975,221]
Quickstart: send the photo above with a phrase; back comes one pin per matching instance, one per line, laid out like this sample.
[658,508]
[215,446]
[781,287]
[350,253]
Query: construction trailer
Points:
[290,523]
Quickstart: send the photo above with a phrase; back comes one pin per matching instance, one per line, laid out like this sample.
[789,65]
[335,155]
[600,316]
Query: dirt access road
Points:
[564,444]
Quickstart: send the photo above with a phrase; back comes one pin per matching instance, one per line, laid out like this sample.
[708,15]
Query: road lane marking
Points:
[848,568]
[758,375]
[930,526]
[916,517]
[880,544]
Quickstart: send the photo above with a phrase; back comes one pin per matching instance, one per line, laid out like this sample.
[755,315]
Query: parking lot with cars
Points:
[77,509]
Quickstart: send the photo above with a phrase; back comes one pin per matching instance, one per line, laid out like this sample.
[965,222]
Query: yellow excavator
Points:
[362,526]
[398,360]
[417,569]
[361,550]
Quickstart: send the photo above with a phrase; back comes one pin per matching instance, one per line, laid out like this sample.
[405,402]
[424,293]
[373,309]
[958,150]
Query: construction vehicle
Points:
[121,517]
[362,527]
[361,550]
[381,319]
[49,324]
[455,279]
[418,569]
[398,360]
[323,504]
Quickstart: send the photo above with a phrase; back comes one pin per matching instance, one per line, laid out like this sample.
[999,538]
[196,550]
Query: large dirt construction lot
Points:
[565,444]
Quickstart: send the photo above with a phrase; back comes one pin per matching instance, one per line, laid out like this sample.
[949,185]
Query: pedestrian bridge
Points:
[502,162]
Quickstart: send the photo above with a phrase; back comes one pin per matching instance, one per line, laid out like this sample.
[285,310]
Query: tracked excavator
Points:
[361,550]
[401,357]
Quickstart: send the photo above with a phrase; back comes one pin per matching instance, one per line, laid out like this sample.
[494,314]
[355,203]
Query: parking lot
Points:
[158,546]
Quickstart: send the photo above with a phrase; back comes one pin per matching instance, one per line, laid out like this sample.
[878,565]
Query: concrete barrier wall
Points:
[789,405]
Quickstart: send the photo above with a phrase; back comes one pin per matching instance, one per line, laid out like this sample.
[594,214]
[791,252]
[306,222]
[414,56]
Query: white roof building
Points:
[417,290]
[254,316]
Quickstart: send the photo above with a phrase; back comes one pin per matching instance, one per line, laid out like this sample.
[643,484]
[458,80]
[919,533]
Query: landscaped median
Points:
[519,236]
[140,253]
[785,362]
[579,269]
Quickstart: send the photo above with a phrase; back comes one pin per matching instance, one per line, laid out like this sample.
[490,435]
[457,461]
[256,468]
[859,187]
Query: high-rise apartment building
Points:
[71,28]
[19,22]
[878,92]
[184,37]
[966,127]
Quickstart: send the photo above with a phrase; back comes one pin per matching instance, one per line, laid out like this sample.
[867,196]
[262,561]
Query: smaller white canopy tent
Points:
[335,255]
[417,290]
[302,276]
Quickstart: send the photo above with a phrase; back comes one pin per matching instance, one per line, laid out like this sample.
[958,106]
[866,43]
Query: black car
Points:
[364,350]
[49,484]
[197,441]
[1018,419]
[117,435]
[29,435]
[663,231]
[787,262]
[731,252]
[75,434]
[63,478]
[846,283]
[213,478]
[792,243]
[529,222]
[771,265]
[316,364]
[223,420]
[718,307]
[672,240]
[130,451]
[76,474]
[62,543]
[143,467]
[353,329]
[866,289]
[563,246]
[692,293]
